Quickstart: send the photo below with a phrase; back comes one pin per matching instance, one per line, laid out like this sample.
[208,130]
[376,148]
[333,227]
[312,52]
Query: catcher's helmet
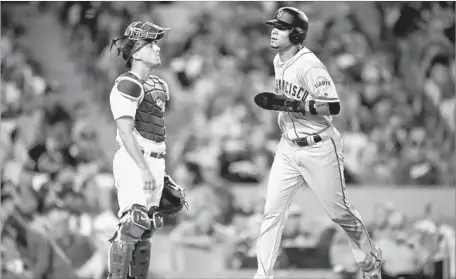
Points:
[136,31]
[293,19]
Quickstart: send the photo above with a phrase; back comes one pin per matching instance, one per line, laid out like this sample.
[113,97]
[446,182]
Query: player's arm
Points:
[325,100]
[315,107]
[124,100]
[125,125]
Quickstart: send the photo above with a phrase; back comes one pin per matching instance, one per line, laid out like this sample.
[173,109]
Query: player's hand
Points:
[149,181]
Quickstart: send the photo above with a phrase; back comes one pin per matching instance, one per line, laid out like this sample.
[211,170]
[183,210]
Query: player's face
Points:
[279,38]
[150,54]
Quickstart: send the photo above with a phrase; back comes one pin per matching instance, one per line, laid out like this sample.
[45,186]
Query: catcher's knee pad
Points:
[135,222]
[139,266]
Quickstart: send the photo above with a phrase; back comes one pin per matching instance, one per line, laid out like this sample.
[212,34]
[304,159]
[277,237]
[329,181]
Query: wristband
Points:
[315,108]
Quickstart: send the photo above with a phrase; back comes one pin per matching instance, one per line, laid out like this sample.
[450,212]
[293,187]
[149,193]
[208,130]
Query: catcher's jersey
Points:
[126,104]
[303,77]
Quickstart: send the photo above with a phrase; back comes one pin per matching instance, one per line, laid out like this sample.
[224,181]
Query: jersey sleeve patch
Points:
[129,88]
[321,85]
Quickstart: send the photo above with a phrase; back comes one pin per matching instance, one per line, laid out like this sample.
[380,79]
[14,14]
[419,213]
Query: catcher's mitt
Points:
[271,101]
[173,198]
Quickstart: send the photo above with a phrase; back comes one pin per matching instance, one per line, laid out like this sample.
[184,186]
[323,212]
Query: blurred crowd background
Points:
[394,66]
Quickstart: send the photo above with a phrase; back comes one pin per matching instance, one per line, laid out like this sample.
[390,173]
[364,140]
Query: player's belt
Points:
[308,140]
[154,154]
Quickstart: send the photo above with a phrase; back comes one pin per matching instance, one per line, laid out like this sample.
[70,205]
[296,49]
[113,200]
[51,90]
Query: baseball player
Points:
[310,150]
[137,102]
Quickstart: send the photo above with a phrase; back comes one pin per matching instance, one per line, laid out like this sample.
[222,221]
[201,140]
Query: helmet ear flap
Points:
[297,36]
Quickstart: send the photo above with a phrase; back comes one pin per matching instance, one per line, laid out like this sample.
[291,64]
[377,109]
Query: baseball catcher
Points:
[145,192]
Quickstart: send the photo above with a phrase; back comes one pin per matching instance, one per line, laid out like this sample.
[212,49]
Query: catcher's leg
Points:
[139,266]
[130,251]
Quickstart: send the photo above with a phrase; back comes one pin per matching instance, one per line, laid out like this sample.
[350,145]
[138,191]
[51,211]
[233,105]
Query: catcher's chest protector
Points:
[149,118]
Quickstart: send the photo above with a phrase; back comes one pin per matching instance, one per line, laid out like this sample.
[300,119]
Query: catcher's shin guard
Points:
[133,226]
[139,266]
[119,257]
[128,260]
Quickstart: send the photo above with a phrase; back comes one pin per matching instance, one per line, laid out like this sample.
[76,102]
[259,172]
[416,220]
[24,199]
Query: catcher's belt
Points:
[153,154]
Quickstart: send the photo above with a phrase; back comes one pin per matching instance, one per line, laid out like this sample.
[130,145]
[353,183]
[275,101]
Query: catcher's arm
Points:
[271,101]
[123,102]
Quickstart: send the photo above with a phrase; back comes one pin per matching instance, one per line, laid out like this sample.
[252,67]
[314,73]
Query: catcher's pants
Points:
[129,182]
[320,166]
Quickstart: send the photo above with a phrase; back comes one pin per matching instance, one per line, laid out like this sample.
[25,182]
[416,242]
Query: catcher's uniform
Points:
[145,103]
[309,154]
[141,210]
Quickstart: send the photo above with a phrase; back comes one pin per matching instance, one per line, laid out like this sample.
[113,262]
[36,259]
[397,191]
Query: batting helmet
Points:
[293,19]
[136,31]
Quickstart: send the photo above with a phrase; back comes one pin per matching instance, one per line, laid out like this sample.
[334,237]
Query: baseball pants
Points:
[319,166]
[129,182]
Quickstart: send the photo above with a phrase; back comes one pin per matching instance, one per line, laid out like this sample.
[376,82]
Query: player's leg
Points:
[284,180]
[322,168]
[157,168]
[130,187]
[128,180]
[129,252]
[140,261]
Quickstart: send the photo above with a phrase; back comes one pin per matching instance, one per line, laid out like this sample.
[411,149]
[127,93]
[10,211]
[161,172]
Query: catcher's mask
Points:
[137,35]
